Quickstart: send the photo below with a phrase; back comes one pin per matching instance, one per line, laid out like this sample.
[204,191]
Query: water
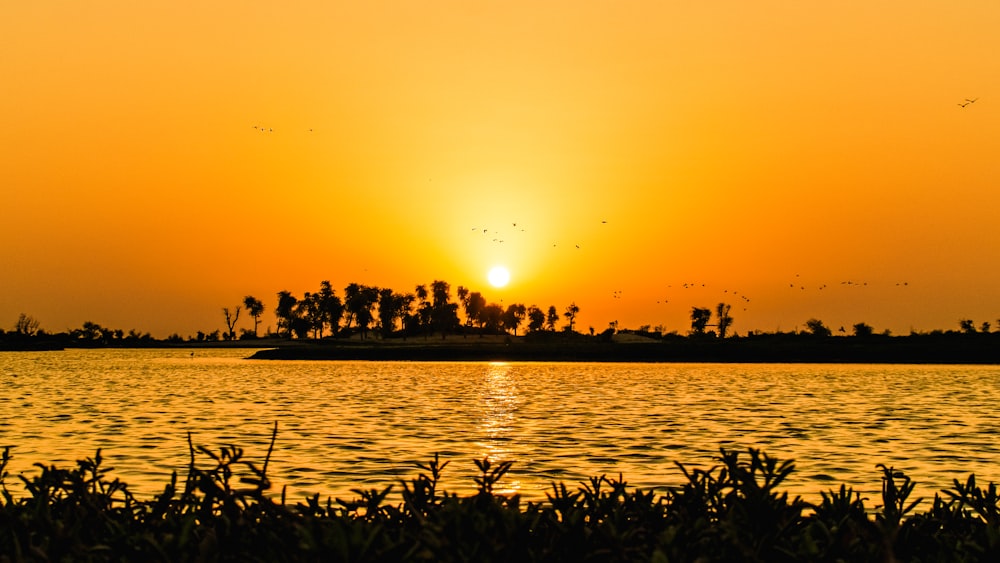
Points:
[349,425]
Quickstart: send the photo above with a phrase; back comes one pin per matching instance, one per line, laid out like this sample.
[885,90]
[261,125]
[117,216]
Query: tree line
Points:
[429,309]
[366,310]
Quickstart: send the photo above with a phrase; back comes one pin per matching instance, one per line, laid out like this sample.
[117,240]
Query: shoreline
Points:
[758,349]
[940,348]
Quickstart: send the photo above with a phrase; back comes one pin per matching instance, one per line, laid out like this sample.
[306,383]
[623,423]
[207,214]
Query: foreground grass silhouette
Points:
[729,512]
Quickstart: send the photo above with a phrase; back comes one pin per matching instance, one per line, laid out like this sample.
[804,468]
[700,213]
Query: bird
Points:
[967,102]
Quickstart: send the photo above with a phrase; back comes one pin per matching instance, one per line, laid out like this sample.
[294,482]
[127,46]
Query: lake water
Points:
[347,425]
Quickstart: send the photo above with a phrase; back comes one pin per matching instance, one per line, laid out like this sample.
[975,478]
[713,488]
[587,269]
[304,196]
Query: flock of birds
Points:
[497,235]
[618,294]
[498,238]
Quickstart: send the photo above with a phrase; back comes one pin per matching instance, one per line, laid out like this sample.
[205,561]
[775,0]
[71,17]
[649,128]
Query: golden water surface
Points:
[348,425]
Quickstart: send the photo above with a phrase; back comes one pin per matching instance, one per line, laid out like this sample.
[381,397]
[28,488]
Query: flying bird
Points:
[967,102]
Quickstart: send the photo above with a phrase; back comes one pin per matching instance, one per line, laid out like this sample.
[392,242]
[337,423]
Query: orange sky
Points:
[744,146]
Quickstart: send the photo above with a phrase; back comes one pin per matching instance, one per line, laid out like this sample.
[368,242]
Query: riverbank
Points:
[945,348]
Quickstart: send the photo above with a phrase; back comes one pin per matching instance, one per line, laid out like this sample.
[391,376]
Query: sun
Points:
[498,276]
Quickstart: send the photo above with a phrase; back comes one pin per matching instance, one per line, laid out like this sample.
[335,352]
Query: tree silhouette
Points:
[331,308]
[231,322]
[551,318]
[26,325]
[474,309]
[359,301]
[536,319]
[285,311]
[392,306]
[722,319]
[817,328]
[699,320]
[352,299]
[967,326]
[863,330]
[444,313]
[513,317]
[570,314]
[492,318]
[424,309]
[255,308]
[463,297]
[310,316]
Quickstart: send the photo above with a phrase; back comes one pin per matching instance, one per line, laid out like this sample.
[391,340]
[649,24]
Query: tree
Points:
[817,328]
[392,306]
[26,325]
[359,302]
[474,304]
[424,309]
[309,316]
[331,309]
[492,317]
[863,330]
[699,320]
[571,311]
[444,313]
[722,319]
[255,308]
[352,296]
[463,297]
[967,326]
[536,319]
[231,322]
[551,318]
[285,311]
[513,317]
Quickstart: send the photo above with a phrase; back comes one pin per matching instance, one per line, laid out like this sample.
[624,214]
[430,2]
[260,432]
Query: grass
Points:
[732,511]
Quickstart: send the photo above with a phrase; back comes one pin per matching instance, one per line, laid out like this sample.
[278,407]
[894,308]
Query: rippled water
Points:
[347,425]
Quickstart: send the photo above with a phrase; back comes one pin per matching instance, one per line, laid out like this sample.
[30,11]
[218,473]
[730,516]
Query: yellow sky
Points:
[749,147]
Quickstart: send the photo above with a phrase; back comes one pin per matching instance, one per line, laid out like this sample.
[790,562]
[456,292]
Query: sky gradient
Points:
[161,160]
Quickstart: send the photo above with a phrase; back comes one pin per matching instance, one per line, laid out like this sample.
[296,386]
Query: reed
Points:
[733,511]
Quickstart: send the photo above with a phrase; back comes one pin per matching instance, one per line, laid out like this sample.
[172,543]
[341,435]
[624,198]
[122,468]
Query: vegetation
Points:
[382,317]
[733,511]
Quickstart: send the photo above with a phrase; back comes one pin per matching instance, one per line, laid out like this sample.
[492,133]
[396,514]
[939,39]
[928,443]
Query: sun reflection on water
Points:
[499,402]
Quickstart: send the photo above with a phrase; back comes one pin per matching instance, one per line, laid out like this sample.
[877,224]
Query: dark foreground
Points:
[947,348]
[731,512]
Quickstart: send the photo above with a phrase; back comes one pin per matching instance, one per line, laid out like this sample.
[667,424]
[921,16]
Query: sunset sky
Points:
[161,160]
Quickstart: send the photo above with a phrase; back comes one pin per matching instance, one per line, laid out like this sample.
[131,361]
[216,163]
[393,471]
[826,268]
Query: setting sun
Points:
[499,276]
